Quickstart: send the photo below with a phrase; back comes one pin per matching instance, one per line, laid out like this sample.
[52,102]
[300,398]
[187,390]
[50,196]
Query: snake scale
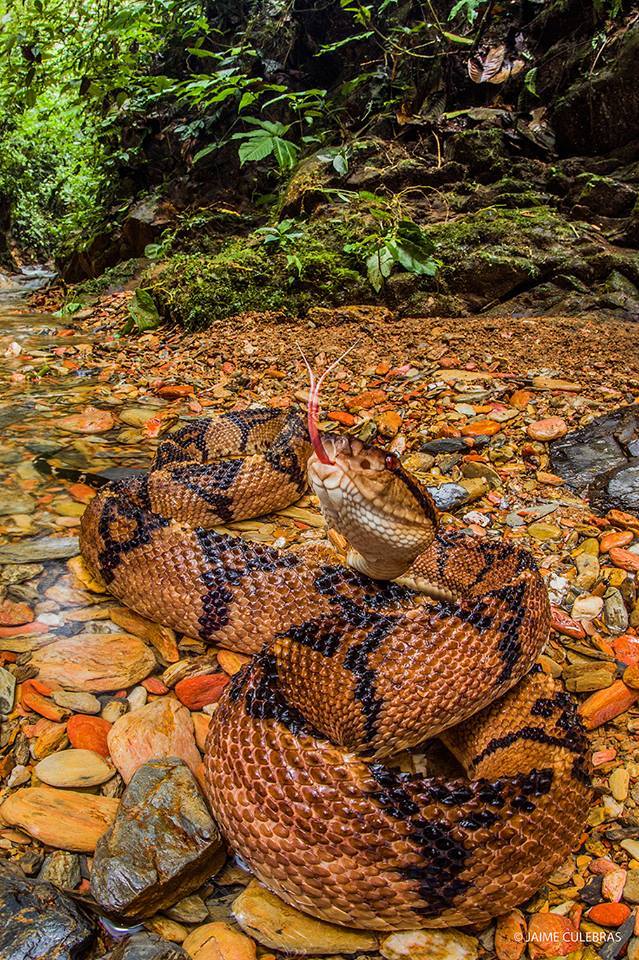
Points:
[351,666]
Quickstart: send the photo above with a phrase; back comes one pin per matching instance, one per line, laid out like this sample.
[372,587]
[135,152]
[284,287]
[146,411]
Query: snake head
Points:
[365,494]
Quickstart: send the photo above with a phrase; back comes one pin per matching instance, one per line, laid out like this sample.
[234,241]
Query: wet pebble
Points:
[162,728]
[89,733]
[60,818]
[94,662]
[219,941]
[77,701]
[74,768]
[548,429]
[163,809]
[275,924]
[429,945]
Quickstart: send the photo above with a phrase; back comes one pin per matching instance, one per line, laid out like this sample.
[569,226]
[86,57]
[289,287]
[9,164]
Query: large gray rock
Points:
[37,922]
[146,946]
[601,460]
[162,846]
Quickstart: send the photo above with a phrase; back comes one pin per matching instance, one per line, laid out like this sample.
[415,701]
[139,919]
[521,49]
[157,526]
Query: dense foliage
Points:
[86,84]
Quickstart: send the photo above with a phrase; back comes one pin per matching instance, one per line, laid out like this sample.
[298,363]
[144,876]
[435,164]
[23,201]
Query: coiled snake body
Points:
[350,668]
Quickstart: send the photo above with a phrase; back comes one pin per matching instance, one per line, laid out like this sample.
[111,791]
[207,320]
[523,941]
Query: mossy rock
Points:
[197,290]
[494,251]
[482,151]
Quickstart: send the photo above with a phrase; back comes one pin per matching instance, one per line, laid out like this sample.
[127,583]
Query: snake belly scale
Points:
[351,666]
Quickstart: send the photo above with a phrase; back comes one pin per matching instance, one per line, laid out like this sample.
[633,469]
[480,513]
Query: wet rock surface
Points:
[37,922]
[601,460]
[146,946]
[162,846]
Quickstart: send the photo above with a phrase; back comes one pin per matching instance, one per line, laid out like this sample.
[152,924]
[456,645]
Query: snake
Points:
[358,657]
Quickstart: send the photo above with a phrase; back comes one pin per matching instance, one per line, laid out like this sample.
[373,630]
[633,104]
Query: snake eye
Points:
[392,461]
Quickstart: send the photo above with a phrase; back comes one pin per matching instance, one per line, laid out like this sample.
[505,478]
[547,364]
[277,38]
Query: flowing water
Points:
[46,377]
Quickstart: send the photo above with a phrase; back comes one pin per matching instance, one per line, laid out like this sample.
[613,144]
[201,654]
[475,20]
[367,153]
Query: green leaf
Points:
[247,98]
[198,52]
[456,38]
[379,266]
[205,151]
[409,257]
[143,311]
[285,153]
[256,149]
[331,47]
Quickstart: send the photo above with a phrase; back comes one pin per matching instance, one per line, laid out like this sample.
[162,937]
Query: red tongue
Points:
[313,405]
[313,417]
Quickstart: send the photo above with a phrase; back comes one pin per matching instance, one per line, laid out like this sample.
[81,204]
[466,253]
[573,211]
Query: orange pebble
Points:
[32,699]
[550,935]
[609,914]
[197,692]
[481,428]
[520,399]
[340,416]
[619,538]
[604,705]
[155,685]
[15,614]
[626,649]
[25,629]
[89,733]
[624,559]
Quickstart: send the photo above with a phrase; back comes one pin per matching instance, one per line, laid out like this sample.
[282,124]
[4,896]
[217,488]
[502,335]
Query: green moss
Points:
[197,290]
[495,251]
[483,151]
[112,279]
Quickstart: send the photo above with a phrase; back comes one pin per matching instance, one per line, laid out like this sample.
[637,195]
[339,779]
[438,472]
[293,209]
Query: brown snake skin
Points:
[349,670]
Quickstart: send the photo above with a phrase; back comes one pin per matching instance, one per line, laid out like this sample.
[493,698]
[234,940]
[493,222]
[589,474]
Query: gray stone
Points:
[62,869]
[598,460]
[37,922]
[146,946]
[12,501]
[615,613]
[7,690]
[46,548]
[448,496]
[162,846]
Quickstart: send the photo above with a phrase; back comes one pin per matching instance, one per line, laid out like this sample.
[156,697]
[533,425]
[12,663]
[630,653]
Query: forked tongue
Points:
[312,410]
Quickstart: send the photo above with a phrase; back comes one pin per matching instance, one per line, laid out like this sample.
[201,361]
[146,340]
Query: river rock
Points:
[74,768]
[89,733]
[12,501]
[275,924]
[429,945]
[219,941]
[60,818]
[94,662]
[146,946]
[7,690]
[163,811]
[62,869]
[77,701]
[38,922]
[162,728]
[596,460]
[46,548]
[615,613]
[550,429]
[449,496]
[191,909]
